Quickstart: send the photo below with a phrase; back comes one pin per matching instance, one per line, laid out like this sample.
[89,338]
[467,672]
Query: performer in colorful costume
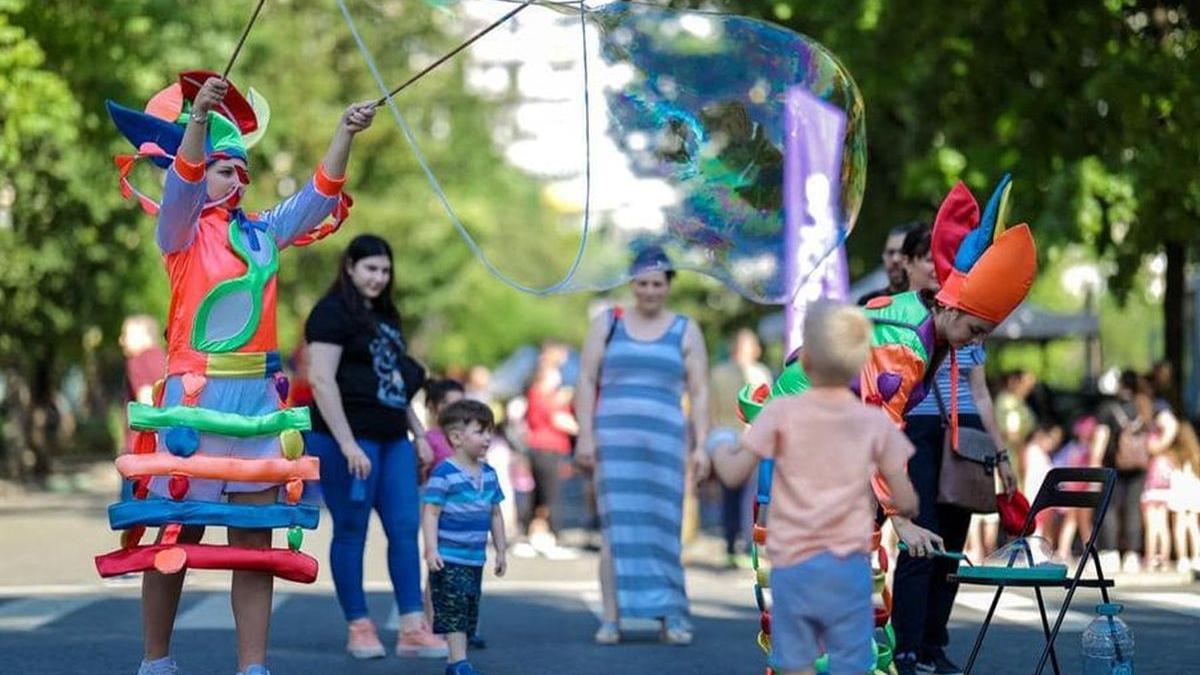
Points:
[985,271]
[220,440]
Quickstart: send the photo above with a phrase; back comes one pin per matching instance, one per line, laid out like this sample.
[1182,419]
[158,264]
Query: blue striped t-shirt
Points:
[969,358]
[467,503]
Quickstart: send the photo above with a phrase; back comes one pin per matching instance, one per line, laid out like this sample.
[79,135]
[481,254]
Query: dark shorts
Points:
[455,591]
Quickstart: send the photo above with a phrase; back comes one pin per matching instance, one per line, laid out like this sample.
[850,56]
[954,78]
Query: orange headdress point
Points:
[984,269]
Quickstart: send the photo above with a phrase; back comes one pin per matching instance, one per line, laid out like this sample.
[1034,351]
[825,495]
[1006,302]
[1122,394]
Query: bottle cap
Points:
[1109,608]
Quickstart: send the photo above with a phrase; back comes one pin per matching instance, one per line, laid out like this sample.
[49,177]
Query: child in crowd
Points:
[438,395]
[1155,497]
[1184,501]
[462,503]
[1043,443]
[822,508]
[1075,455]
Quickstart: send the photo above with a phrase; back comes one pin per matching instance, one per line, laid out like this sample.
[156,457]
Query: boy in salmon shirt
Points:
[827,444]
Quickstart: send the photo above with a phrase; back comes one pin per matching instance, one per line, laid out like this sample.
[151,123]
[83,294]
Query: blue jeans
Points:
[392,491]
[823,600]
[922,594]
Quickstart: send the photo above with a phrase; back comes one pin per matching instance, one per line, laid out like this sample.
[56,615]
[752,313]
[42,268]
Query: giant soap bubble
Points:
[631,126]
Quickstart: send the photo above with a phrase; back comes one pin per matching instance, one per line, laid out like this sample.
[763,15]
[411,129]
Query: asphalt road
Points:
[56,617]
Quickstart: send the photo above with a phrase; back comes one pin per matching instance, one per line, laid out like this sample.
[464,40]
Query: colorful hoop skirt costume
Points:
[220,423]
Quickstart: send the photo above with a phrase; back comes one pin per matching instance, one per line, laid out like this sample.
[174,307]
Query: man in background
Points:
[725,379]
[893,264]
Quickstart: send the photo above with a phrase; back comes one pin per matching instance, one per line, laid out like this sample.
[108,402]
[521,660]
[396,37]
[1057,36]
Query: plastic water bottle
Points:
[358,490]
[1107,643]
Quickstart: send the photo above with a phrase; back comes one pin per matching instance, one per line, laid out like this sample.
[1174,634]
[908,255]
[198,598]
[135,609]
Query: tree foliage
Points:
[1093,107]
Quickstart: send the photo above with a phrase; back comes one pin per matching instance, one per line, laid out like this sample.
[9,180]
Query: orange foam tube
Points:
[222,468]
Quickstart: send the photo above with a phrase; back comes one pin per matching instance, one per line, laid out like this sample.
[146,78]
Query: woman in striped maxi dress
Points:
[636,366]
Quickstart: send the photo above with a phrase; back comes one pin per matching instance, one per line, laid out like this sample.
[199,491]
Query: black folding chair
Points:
[1056,492]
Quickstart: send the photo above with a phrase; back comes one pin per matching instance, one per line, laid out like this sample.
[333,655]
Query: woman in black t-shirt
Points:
[362,379]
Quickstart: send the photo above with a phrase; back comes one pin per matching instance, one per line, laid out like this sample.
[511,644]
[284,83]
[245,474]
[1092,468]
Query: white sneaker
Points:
[1110,561]
[542,541]
[163,666]
[559,553]
[1196,564]
[524,550]
[1132,564]
[1183,565]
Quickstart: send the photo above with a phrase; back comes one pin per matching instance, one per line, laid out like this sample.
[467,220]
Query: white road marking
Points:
[1014,608]
[214,613]
[1182,603]
[33,613]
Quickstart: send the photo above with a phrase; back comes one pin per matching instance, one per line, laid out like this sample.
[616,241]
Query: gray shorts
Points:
[823,604]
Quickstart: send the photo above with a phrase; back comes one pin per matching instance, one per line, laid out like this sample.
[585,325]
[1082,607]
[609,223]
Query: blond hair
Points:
[837,341]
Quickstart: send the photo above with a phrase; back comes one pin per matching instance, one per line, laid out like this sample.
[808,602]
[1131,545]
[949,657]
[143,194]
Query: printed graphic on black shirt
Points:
[386,349]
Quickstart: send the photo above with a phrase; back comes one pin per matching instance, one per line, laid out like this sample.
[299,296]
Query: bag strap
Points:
[617,312]
[1123,417]
[937,396]
[615,319]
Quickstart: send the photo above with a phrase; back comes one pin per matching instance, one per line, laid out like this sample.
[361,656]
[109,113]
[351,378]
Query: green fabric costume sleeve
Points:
[894,328]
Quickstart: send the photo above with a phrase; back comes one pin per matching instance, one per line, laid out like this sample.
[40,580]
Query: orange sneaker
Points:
[421,643]
[363,641]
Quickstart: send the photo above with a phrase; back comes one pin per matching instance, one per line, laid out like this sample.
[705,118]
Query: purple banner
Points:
[814,133]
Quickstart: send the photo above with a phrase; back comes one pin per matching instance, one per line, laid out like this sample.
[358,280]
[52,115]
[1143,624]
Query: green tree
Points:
[1092,107]
[75,259]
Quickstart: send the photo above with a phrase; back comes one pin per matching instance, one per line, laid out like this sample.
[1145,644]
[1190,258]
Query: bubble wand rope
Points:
[449,55]
[410,137]
[242,40]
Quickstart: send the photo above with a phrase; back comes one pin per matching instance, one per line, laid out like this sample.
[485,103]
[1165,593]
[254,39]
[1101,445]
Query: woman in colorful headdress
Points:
[220,441]
[985,271]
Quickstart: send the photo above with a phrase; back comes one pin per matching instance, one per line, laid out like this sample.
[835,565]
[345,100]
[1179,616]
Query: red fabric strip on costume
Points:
[283,563]
[327,185]
[191,172]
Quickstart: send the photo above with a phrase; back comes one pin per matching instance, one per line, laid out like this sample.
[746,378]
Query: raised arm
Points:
[304,211]
[184,191]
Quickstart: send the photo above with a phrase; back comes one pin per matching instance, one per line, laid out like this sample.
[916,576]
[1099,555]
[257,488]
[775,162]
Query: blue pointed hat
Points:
[163,121]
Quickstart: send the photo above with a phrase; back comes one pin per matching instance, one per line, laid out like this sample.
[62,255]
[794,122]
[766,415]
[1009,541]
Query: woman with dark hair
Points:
[923,597]
[917,253]
[361,427]
[634,370]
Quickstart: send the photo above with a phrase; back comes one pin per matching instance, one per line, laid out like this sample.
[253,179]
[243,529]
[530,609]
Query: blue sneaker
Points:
[164,666]
[256,669]
[463,667]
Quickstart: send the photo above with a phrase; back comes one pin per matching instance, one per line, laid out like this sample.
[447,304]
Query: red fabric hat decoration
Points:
[984,270]
[1014,511]
[235,107]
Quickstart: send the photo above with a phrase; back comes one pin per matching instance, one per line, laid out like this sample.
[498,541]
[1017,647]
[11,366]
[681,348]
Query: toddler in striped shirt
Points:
[462,504]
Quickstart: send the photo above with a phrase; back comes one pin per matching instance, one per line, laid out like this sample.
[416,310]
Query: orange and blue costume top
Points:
[985,270]
[220,423]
